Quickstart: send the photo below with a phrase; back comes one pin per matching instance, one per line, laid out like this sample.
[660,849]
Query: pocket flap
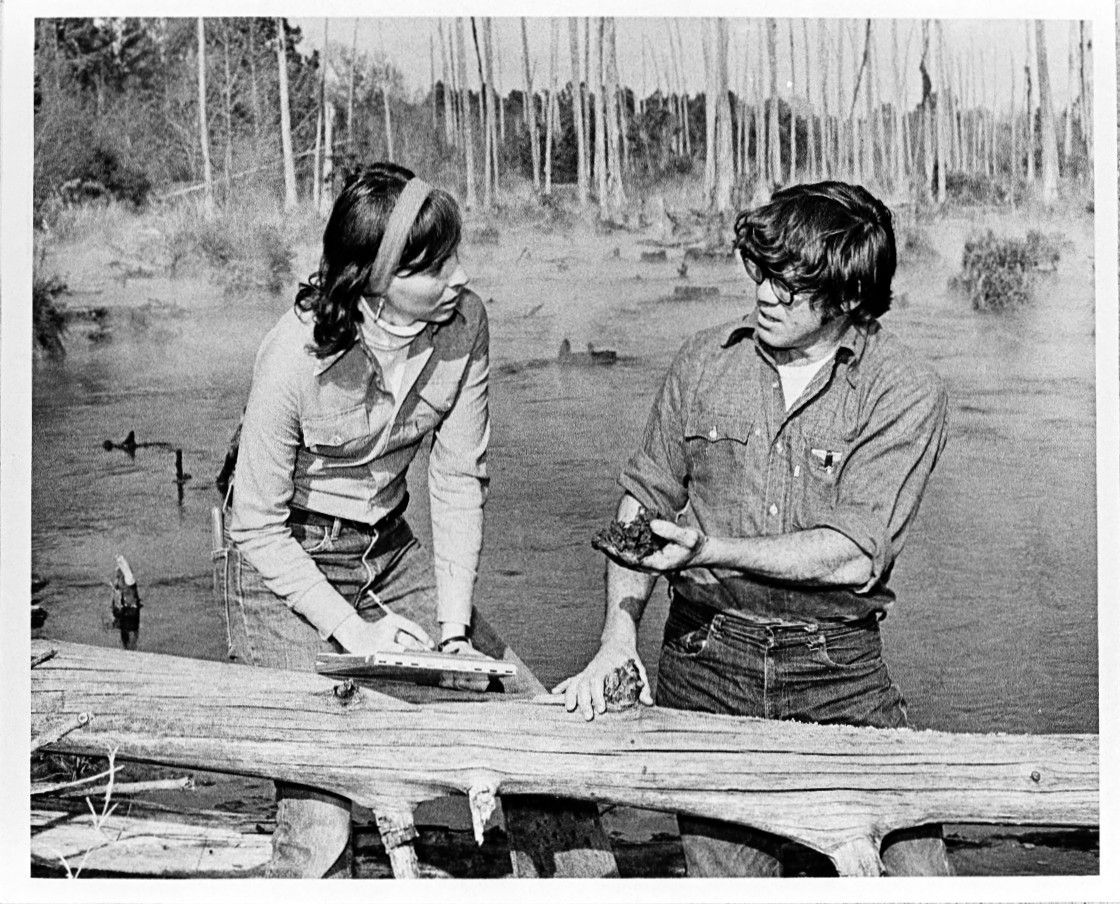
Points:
[715,426]
[327,431]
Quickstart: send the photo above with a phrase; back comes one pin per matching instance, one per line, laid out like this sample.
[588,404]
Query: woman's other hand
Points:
[390,634]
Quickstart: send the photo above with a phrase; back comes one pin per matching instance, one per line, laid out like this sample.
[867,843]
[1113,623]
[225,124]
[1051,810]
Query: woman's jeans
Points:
[726,662]
[313,826]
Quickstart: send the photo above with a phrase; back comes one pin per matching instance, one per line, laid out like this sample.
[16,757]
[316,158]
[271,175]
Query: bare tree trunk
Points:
[1085,107]
[898,154]
[877,150]
[587,88]
[388,117]
[253,91]
[465,114]
[550,104]
[485,116]
[578,112]
[1046,120]
[352,78]
[500,84]
[1071,96]
[792,109]
[203,127]
[686,113]
[316,179]
[1030,107]
[707,26]
[827,167]
[227,105]
[1013,164]
[762,182]
[928,122]
[774,166]
[530,109]
[491,99]
[325,194]
[724,167]
[290,199]
[814,170]
[674,91]
[620,106]
[600,121]
[942,115]
[448,108]
[315,157]
[616,195]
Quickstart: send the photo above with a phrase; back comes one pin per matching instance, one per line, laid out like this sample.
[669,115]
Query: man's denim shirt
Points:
[322,434]
[721,452]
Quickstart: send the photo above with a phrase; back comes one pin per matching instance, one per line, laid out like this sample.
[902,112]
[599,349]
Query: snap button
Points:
[773,509]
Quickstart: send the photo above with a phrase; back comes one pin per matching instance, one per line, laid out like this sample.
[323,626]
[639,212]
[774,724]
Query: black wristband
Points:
[447,641]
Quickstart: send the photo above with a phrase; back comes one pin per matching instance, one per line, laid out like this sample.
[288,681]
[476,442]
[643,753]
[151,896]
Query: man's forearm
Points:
[820,557]
[627,591]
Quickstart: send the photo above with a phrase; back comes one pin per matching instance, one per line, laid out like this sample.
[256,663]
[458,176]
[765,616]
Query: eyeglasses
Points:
[782,290]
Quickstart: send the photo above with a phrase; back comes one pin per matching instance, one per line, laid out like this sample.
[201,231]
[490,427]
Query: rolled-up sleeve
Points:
[263,486]
[656,474]
[458,482]
[887,469]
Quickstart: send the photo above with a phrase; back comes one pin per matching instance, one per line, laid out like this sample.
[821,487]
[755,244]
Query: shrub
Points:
[48,313]
[997,273]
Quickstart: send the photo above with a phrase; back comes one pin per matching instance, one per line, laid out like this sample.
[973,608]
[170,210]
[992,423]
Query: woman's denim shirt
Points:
[322,434]
[854,453]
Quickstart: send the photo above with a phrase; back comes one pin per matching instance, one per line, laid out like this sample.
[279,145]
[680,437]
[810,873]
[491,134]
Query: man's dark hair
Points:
[830,239]
[350,242]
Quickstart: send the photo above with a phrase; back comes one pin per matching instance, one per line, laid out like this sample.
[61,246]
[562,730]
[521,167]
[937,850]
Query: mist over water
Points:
[995,624]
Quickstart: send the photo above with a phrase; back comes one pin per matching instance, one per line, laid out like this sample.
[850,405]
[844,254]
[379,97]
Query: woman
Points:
[384,349]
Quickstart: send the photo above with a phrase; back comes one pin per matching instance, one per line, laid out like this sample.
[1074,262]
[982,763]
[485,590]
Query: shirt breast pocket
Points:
[432,403]
[338,437]
[822,462]
[717,451]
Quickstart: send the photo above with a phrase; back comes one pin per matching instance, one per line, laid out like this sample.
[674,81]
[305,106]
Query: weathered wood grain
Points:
[151,847]
[829,787]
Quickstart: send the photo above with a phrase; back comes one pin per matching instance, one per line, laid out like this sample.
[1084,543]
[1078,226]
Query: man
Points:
[791,451]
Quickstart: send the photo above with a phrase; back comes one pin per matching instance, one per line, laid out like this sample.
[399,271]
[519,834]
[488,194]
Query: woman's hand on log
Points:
[585,691]
[390,634]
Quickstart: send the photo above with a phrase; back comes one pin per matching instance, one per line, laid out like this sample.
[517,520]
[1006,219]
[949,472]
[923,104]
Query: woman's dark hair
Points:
[830,239]
[350,242]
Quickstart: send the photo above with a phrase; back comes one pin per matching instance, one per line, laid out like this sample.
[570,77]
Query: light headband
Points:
[388,259]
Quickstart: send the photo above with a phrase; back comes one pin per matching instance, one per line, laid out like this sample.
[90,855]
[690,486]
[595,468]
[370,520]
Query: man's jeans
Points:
[727,663]
[312,826]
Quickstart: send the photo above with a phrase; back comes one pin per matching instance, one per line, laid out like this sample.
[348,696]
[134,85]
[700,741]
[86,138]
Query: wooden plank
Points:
[150,847]
[826,786]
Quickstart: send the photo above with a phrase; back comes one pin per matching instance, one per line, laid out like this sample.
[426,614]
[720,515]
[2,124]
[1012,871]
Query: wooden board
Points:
[407,662]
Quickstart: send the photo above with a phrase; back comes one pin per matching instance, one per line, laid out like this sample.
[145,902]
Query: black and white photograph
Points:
[599,442]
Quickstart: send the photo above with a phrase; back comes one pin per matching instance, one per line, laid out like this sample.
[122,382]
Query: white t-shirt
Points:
[795,377]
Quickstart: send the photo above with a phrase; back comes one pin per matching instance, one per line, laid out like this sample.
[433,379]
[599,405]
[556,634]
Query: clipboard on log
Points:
[409,662]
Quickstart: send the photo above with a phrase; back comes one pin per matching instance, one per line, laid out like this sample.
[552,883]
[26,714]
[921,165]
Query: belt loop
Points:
[336,529]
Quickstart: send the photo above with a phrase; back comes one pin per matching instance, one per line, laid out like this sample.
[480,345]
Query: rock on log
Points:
[832,788]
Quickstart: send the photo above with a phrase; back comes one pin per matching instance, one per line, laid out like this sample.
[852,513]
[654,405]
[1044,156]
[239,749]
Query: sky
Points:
[997,48]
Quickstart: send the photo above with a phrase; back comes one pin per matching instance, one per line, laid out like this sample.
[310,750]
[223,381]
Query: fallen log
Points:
[837,789]
[150,847]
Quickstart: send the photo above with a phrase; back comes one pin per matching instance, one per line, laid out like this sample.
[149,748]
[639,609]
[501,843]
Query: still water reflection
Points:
[995,628]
